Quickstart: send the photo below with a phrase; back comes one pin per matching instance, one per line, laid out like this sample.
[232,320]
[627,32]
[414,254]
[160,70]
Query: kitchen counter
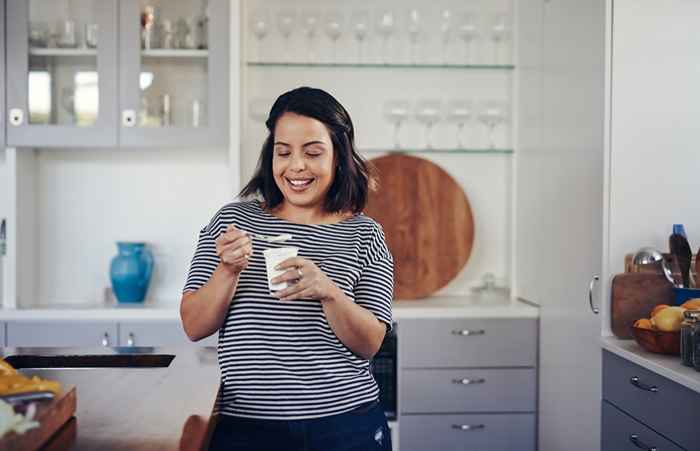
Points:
[472,306]
[668,366]
[154,409]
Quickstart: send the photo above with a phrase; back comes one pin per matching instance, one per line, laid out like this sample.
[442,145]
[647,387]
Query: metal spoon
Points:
[649,256]
[271,238]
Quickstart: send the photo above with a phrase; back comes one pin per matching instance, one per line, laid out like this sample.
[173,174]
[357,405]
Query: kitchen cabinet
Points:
[2,73]
[91,85]
[467,383]
[636,409]
[60,91]
[3,334]
[62,333]
[158,333]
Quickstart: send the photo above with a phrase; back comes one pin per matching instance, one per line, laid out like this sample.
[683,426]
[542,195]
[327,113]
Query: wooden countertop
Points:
[139,408]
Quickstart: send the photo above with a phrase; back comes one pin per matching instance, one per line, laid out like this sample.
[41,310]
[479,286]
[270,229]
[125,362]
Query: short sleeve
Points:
[375,287]
[204,261]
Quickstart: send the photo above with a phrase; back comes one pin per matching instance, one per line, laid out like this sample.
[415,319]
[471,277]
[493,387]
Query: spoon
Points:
[271,238]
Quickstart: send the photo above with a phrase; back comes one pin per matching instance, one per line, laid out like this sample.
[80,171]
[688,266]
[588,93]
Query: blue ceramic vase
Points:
[130,271]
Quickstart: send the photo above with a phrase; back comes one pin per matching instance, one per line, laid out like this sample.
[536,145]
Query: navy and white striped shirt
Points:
[281,359]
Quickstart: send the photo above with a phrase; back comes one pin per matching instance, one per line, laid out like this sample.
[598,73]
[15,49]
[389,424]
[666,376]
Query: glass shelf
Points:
[440,151]
[41,51]
[175,53]
[380,65]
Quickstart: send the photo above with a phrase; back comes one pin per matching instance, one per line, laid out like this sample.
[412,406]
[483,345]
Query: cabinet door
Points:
[158,333]
[61,333]
[62,87]
[2,73]
[174,73]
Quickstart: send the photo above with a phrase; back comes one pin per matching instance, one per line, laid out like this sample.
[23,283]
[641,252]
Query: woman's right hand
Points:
[234,249]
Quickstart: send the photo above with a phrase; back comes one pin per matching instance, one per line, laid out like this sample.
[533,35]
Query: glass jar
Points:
[695,343]
[690,318]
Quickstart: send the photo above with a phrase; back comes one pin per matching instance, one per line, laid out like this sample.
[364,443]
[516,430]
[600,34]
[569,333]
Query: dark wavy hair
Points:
[354,176]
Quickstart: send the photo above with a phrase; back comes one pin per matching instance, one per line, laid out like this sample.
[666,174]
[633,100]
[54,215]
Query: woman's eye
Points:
[283,154]
[314,154]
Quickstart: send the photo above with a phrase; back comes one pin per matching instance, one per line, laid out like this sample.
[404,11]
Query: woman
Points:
[295,362]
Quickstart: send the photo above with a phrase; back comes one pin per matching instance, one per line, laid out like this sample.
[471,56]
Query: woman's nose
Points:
[297,163]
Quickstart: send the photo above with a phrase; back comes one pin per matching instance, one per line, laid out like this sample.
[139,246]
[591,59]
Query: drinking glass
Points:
[385,28]
[467,30]
[499,33]
[397,112]
[286,19]
[260,24]
[491,114]
[334,29]
[309,27]
[446,26]
[413,26]
[459,111]
[360,26]
[428,112]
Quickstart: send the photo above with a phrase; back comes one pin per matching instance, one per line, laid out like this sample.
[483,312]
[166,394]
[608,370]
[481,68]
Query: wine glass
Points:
[397,111]
[286,19]
[491,114]
[413,27]
[428,112]
[360,26]
[385,28]
[309,26]
[467,30]
[259,24]
[334,28]
[446,25]
[499,33]
[459,111]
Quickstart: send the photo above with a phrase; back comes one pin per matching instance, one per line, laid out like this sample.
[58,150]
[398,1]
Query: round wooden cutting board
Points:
[427,221]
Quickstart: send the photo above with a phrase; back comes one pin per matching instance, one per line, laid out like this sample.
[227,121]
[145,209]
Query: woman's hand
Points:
[233,248]
[307,281]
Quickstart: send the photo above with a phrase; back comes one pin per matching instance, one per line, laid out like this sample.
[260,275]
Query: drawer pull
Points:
[105,340]
[634,438]
[465,381]
[468,427]
[466,332]
[642,386]
[130,341]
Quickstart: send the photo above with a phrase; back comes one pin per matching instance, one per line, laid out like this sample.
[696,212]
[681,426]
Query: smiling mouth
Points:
[299,184]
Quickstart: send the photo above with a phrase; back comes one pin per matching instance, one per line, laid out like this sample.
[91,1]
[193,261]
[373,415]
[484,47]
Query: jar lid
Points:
[693,315]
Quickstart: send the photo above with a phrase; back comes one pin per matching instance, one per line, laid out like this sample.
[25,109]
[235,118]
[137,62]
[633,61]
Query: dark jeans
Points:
[362,429]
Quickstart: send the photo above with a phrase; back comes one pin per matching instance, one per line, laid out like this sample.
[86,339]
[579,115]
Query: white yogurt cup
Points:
[274,257]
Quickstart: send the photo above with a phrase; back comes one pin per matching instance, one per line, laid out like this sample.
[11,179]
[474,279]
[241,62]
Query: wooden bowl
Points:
[658,341]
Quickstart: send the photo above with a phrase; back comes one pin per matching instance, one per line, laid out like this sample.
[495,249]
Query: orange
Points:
[657,309]
[643,323]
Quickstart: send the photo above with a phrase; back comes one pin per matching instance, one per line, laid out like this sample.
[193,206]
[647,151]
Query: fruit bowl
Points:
[657,341]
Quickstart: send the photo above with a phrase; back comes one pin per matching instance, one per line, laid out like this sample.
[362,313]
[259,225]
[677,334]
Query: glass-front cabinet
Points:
[61,72]
[174,72]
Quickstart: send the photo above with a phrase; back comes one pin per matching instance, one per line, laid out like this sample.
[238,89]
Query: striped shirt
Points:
[281,359]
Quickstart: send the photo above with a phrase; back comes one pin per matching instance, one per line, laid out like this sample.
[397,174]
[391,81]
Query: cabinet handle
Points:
[465,381]
[642,386]
[595,310]
[128,118]
[634,438]
[130,340]
[468,427]
[105,340]
[16,116]
[465,332]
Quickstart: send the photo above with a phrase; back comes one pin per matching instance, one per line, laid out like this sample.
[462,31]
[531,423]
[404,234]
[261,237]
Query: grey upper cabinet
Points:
[174,73]
[61,73]
[2,74]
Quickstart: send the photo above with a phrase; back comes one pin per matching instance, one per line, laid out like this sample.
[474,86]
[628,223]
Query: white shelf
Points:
[37,51]
[175,53]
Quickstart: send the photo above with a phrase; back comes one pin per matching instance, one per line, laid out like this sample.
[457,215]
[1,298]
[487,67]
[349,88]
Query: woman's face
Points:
[303,162]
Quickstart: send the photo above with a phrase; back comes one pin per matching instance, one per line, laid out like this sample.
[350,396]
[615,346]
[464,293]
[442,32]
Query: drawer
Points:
[620,432]
[425,343]
[158,333]
[62,333]
[492,432]
[468,390]
[670,409]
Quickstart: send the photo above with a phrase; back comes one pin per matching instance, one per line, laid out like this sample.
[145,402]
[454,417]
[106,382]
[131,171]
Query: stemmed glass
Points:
[467,30]
[414,29]
[428,112]
[385,27]
[499,33]
[491,114]
[459,111]
[286,19]
[445,32]
[360,26]
[397,112]
[259,24]
[309,26]
[334,28]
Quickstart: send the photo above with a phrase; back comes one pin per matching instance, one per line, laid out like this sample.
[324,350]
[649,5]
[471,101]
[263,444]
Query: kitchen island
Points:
[130,408]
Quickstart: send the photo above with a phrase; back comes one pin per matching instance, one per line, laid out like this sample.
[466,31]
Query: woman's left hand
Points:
[306,281]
